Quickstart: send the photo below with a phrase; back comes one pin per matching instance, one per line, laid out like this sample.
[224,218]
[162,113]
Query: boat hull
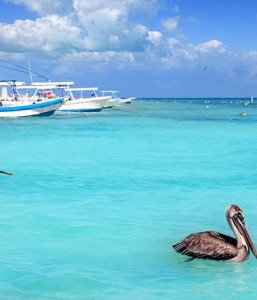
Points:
[111,102]
[80,110]
[80,105]
[126,100]
[44,108]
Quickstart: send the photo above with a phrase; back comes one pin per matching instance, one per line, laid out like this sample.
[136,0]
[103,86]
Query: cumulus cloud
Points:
[210,46]
[170,24]
[51,34]
[44,7]
[154,37]
[127,6]
[100,30]
[172,42]
[79,25]
[85,7]
[104,57]
[102,20]
[252,54]
[175,54]
[114,41]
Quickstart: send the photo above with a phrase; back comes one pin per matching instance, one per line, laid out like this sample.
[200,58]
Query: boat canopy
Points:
[82,89]
[11,82]
[109,91]
[56,83]
[39,87]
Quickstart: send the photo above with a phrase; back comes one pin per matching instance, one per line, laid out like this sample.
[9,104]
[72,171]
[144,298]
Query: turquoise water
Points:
[97,201]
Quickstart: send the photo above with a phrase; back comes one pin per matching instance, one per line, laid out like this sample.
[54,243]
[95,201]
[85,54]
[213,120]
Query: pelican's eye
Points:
[240,217]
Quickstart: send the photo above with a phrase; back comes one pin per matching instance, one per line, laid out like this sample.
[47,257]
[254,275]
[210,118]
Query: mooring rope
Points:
[134,111]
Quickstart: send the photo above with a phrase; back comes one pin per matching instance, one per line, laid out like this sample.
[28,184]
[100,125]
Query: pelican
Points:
[217,246]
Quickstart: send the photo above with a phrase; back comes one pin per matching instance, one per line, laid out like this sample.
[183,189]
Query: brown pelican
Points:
[217,246]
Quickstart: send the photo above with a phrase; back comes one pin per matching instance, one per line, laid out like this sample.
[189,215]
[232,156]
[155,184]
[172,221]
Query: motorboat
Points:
[84,100]
[126,100]
[115,99]
[16,105]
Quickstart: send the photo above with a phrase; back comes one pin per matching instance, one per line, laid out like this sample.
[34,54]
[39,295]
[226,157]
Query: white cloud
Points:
[114,41]
[154,37]
[252,54]
[173,42]
[106,57]
[140,31]
[80,25]
[102,19]
[101,31]
[51,34]
[44,7]
[177,55]
[170,24]
[210,46]
[87,7]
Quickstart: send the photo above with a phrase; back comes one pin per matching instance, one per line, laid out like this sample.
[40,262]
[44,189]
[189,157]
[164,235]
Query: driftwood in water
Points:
[6,172]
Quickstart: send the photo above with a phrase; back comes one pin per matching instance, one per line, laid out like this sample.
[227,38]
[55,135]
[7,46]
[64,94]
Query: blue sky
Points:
[143,48]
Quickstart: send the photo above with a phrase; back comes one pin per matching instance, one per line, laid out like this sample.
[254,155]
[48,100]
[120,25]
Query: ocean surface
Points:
[97,201]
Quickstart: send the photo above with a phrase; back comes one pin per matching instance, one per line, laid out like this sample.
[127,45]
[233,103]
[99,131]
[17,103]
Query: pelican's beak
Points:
[240,224]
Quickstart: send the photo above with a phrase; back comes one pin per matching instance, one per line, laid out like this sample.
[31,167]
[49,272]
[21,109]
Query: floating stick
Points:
[6,172]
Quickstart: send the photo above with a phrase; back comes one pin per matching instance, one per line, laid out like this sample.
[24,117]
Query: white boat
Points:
[27,109]
[76,99]
[126,100]
[115,98]
[77,106]
[41,91]
[84,100]
[18,105]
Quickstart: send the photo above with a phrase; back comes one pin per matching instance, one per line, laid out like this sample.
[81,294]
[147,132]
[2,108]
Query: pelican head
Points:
[236,220]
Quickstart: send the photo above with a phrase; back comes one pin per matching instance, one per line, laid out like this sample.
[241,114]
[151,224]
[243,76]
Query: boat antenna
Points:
[4,67]
[28,71]
[30,74]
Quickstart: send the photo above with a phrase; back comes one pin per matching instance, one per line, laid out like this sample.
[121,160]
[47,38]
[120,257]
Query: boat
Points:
[115,99]
[83,100]
[127,100]
[76,99]
[26,109]
[18,105]
[47,90]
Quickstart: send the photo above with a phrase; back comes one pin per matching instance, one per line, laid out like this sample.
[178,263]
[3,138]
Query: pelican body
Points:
[217,246]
